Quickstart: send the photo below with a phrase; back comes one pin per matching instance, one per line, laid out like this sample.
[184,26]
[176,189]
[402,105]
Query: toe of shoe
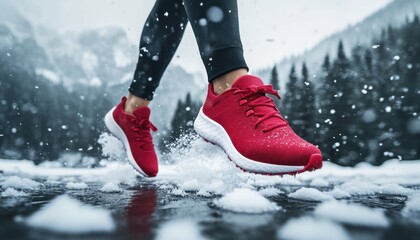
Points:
[299,155]
[303,155]
[148,163]
[150,170]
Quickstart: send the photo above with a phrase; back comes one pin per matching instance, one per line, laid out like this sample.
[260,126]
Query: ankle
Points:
[133,102]
[225,81]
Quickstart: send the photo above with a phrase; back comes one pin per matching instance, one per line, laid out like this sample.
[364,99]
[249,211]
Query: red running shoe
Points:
[248,126]
[134,132]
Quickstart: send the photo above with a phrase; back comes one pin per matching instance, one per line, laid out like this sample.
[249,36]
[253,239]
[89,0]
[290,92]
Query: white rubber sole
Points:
[118,132]
[215,133]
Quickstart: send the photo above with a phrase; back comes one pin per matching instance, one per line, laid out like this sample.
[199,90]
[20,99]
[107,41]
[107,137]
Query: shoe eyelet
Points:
[242,102]
[249,112]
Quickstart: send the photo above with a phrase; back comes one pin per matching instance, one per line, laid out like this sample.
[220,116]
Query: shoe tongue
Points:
[142,113]
[249,80]
[246,81]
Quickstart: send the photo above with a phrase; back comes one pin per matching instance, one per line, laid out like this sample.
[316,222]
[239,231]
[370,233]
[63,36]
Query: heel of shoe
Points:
[206,129]
[109,121]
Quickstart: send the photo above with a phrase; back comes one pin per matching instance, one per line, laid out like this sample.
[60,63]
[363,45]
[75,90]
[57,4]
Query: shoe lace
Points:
[254,97]
[142,129]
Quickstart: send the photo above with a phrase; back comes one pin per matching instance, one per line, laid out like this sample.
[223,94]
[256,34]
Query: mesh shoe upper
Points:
[137,128]
[254,124]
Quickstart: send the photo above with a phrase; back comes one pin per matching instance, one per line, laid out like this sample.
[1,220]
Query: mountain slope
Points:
[394,14]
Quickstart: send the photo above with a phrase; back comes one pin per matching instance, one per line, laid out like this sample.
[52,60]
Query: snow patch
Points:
[360,187]
[11,192]
[178,192]
[76,185]
[338,193]
[246,201]
[319,182]
[20,183]
[412,206]
[310,194]
[313,229]
[270,191]
[67,215]
[179,230]
[111,187]
[394,189]
[353,214]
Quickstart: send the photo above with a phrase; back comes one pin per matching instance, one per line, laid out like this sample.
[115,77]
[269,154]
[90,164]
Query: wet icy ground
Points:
[199,194]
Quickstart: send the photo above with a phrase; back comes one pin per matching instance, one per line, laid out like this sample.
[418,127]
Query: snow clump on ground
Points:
[310,228]
[246,201]
[20,183]
[353,214]
[310,194]
[66,215]
[76,185]
[179,229]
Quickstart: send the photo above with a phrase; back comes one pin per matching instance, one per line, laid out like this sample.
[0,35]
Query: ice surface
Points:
[308,228]
[11,192]
[20,183]
[310,194]
[180,229]
[76,185]
[354,214]
[66,215]
[111,187]
[246,201]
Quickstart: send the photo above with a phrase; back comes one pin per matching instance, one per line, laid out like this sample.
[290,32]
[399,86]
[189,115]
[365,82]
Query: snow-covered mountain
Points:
[394,14]
[96,57]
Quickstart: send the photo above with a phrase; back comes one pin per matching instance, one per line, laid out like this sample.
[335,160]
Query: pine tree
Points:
[181,123]
[274,81]
[308,106]
[343,130]
[292,96]
[325,96]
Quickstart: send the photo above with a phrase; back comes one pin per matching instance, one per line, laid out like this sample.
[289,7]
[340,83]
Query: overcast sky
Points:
[270,29]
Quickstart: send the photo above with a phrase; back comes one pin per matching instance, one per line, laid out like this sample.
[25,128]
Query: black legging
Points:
[216,29]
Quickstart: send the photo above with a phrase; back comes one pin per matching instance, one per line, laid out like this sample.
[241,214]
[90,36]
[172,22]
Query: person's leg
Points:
[237,114]
[130,119]
[159,40]
[216,28]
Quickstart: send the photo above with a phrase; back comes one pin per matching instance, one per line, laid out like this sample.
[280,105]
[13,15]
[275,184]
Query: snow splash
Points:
[196,167]
[246,201]
[205,170]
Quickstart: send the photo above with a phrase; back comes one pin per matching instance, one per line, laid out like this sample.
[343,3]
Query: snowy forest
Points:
[363,105]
